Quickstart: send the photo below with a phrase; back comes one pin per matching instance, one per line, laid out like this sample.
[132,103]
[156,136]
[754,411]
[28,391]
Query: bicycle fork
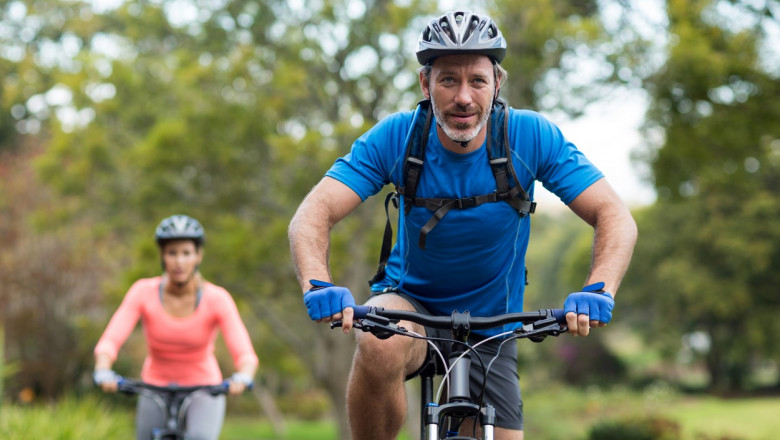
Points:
[459,406]
[435,412]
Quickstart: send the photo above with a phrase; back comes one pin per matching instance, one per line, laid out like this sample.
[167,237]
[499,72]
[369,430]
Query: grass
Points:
[564,413]
[244,428]
[753,418]
[240,428]
[70,418]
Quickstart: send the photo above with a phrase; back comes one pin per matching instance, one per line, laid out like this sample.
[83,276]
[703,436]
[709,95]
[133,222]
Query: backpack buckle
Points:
[467,202]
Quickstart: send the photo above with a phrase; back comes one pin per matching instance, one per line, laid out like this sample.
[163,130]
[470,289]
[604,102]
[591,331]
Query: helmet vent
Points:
[447,29]
[461,32]
[491,31]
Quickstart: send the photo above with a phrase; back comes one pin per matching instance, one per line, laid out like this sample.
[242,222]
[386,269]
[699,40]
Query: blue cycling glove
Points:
[592,301]
[325,299]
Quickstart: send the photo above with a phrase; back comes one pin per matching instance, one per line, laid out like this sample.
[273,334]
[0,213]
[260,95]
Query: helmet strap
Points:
[495,79]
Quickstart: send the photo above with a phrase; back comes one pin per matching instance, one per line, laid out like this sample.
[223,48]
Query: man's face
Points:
[461,88]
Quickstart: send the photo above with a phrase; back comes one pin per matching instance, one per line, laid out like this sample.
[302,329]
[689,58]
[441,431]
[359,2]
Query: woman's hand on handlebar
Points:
[106,379]
[239,382]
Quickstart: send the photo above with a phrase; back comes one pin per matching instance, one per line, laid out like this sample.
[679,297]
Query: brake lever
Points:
[537,331]
[378,326]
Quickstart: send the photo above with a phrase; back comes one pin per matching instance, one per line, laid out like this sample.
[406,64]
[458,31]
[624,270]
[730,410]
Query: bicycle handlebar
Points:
[133,386]
[382,322]
[445,322]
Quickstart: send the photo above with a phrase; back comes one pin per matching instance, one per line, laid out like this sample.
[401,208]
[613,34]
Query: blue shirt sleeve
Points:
[546,155]
[375,159]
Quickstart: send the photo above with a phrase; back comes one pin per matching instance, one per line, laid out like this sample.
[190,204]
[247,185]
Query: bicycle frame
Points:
[460,404]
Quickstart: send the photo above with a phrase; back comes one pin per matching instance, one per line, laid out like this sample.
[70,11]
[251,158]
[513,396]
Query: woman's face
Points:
[181,258]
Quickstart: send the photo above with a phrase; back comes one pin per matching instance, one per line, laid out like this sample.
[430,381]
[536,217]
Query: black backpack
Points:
[499,156]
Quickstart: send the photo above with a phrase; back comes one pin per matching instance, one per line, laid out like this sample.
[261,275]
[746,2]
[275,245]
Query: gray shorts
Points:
[204,415]
[503,387]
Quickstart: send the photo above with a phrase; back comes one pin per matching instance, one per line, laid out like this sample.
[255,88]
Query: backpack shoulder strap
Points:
[415,153]
[412,167]
[500,157]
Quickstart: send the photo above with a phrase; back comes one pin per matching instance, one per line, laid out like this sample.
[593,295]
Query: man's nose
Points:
[463,95]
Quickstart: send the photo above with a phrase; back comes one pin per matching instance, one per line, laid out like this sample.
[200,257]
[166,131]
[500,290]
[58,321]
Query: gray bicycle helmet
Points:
[461,32]
[178,227]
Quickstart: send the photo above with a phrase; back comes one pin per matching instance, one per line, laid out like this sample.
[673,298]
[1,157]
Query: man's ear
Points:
[424,86]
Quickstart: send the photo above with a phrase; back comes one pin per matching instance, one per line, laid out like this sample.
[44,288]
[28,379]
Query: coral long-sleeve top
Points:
[180,349]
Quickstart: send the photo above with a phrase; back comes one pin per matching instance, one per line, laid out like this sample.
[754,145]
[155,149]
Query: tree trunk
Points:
[268,404]
[334,377]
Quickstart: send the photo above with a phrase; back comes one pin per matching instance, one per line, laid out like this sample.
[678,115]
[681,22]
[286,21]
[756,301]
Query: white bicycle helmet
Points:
[461,32]
[178,227]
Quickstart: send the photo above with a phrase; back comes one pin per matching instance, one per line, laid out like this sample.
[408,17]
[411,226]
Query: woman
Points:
[180,313]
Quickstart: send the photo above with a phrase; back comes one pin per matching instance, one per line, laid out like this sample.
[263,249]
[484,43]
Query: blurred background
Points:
[115,114]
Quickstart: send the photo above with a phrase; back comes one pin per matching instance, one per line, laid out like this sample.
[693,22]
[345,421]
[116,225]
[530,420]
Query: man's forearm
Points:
[309,235]
[615,236]
[309,231]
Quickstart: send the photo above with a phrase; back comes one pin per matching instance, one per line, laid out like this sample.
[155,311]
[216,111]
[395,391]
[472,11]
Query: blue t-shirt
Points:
[474,259]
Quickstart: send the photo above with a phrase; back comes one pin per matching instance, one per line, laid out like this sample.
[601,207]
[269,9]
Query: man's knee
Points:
[382,356]
[396,355]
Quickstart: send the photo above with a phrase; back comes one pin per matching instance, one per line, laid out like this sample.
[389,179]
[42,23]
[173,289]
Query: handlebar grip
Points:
[559,315]
[226,385]
[362,311]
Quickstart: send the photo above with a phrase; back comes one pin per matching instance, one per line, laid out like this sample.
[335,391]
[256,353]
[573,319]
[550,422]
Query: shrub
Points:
[636,428]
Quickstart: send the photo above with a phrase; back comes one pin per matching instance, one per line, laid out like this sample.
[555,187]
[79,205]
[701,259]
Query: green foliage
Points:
[557,262]
[713,98]
[637,428]
[706,259]
[542,36]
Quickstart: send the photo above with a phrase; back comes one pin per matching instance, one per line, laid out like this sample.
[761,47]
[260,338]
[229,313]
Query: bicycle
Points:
[443,420]
[174,399]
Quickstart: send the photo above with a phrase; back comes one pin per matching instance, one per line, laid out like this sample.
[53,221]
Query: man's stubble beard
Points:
[457,133]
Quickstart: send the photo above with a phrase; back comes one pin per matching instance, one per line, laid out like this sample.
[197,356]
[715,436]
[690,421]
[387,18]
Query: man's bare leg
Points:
[376,397]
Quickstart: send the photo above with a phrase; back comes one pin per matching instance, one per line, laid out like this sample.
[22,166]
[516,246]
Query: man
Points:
[471,256]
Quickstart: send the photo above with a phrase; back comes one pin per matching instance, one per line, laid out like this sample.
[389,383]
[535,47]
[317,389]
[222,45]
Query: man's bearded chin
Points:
[460,132]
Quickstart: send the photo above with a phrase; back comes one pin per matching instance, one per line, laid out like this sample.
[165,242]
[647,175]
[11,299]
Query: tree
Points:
[709,261]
